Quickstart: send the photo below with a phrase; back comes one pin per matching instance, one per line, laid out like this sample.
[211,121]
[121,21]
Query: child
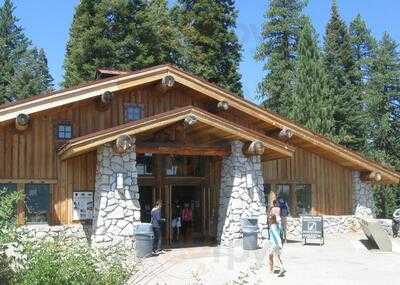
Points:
[275,244]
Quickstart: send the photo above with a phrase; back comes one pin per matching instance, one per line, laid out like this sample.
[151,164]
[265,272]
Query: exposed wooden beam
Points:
[223,106]
[166,84]
[104,101]
[370,176]
[253,148]
[176,149]
[285,134]
[123,143]
[190,121]
[22,122]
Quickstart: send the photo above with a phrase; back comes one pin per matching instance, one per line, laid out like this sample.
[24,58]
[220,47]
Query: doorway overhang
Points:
[208,130]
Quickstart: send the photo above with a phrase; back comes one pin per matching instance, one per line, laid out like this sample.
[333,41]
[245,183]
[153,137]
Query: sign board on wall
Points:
[312,227]
[83,206]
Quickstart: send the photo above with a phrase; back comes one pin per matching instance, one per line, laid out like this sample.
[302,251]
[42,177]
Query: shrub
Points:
[58,263]
[8,225]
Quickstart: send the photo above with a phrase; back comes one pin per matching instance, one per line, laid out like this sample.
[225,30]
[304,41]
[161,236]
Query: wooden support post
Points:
[254,148]
[166,84]
[123,143]
[189,121]
[223,106]
[22,122]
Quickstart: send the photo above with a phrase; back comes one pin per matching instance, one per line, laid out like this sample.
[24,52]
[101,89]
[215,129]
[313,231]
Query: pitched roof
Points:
[306,137]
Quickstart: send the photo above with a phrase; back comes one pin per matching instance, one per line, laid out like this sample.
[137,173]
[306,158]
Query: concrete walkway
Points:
[342,260]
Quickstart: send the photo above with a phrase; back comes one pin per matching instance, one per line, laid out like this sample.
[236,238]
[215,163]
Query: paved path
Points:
[342,260]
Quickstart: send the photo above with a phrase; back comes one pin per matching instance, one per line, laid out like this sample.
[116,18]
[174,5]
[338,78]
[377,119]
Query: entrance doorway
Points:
[186,216]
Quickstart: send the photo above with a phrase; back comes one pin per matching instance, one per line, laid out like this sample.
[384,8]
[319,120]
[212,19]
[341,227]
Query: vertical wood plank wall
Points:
[331,184]
[32,154]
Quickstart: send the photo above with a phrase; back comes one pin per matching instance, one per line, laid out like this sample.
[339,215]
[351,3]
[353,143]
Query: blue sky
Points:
[47,23]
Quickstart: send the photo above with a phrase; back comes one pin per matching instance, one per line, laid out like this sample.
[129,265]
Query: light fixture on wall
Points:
[120,181]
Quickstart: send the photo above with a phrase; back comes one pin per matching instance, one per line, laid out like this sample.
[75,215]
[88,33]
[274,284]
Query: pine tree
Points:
[280,35]
[20,64]
[363,46]
[383,96]
[118,34]
[344,82]
[310,103]
[210,47]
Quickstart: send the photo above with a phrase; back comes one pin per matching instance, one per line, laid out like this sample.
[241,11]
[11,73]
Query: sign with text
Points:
[312,227]
[83,206]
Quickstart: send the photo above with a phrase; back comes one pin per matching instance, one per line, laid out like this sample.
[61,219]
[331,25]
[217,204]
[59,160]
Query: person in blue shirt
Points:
[275,243]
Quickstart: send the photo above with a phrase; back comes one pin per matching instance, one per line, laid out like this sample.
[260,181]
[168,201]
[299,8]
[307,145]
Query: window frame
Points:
[129,106]
[64,124]
[48,210]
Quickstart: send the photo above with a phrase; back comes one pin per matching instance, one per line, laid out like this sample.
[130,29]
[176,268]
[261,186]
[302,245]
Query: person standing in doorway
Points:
[275,243]
[187,216]
[156,223]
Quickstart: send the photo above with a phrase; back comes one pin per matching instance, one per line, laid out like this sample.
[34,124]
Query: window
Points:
[184,166]
[303,198]
[37,200]
[64,131]
[133,112]
[144,164]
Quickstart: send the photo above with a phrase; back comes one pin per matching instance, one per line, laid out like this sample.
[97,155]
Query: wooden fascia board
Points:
[236,130]
[275,120]
[79,94]
[90,143]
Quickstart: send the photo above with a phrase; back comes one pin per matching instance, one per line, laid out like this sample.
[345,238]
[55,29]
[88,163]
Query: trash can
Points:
[144,237]
[250,233]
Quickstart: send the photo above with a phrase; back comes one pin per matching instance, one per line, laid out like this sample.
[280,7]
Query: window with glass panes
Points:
[133,112]
[303,199]
[37,200]
[64,131]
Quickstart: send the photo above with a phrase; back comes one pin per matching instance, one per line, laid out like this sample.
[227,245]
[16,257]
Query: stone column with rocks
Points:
[115,210]
[241,195]
[363,200]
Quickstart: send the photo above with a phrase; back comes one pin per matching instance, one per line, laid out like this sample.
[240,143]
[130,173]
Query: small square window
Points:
[64,131]
[133,112]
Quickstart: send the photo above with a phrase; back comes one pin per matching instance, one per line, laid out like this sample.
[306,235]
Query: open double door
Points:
[175,198]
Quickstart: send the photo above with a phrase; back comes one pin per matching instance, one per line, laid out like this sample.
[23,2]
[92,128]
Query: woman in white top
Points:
[276,211]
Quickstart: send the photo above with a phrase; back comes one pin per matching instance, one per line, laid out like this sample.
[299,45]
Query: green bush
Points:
[8,225]
[57,263]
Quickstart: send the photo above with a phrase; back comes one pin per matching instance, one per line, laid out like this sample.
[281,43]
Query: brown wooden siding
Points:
[331,183]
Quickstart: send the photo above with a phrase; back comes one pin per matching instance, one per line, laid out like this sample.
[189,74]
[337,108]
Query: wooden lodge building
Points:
[101,153]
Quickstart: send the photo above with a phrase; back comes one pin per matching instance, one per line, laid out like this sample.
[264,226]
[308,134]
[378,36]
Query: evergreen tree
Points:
[363,46]
[280,35]
[23,70]
[310,102]
[344,82]
[118,34]
[384,117]
[210,47]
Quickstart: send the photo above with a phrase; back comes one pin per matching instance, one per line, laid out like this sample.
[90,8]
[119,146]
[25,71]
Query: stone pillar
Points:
[115,210]
[363,201]
[241,195]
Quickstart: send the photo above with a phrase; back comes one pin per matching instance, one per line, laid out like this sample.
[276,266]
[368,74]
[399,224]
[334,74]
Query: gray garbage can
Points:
[250,233]
[144,237]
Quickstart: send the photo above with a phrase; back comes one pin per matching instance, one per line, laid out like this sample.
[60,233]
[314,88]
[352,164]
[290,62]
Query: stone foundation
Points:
[68,233]
[363,200]
[115,210]
[333,225]
[241,195]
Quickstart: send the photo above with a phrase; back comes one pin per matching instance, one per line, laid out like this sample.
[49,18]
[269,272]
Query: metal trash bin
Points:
[250,233]
[144,237]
